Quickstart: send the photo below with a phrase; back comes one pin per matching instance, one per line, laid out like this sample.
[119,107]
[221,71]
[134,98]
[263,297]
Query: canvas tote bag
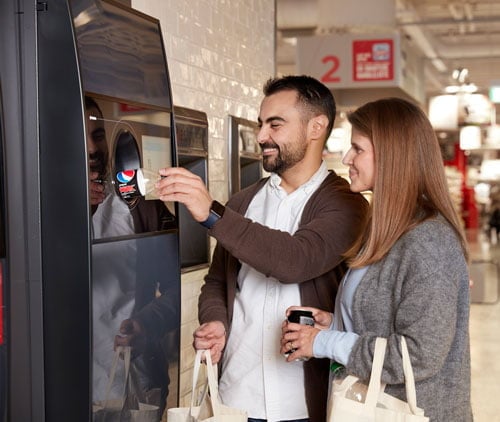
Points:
[129,408]
[210,409]
[378,405]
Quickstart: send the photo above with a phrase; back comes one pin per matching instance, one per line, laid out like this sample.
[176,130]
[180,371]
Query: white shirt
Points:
[113,288]
[112,217]
[255,377]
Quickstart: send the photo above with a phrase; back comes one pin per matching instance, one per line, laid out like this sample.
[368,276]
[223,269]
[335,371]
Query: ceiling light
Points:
[452,89]
[464,88]
[460,74]
[470,137]
[469,88]
[439,64]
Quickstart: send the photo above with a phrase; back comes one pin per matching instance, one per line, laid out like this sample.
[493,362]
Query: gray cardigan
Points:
[419,290]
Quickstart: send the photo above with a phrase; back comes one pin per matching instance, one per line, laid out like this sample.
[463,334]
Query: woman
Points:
[408,274]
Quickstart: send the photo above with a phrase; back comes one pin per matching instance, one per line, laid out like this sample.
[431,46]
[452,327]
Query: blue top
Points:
[337,343]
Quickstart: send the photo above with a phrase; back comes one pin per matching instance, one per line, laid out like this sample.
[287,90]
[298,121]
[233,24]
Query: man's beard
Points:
[286,157]
[99,164]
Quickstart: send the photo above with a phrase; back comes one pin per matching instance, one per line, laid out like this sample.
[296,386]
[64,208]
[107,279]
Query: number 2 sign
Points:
[349,60]
[334,64]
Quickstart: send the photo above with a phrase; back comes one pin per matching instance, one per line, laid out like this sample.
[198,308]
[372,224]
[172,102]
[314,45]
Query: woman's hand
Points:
[322,319]
[298,339]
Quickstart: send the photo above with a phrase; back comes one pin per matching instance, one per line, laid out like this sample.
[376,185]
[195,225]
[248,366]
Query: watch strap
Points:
[216,213]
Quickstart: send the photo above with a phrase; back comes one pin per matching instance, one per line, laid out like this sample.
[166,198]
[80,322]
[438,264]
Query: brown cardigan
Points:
[312,256]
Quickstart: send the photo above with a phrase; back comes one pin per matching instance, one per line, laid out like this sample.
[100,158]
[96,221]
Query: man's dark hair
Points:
[91,103]
[311,93]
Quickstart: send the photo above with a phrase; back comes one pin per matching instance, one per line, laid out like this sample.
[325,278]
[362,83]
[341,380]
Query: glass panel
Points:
[121,52]
[120,141]
[137,278]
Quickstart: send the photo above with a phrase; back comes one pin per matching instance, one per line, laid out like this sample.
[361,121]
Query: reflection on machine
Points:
[134,236]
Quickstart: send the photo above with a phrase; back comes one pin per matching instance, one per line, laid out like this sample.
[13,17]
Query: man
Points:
[279,242]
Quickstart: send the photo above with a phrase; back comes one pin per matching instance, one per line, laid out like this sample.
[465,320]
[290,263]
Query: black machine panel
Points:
[135,241]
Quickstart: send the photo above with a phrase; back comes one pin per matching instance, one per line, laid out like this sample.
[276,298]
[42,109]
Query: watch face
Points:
[218,208]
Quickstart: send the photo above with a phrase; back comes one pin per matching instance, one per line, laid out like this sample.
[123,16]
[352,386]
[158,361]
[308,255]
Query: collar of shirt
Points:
[312,184]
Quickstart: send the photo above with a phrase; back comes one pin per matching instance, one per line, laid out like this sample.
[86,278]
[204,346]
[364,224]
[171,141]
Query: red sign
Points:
[373,60]
[127,108]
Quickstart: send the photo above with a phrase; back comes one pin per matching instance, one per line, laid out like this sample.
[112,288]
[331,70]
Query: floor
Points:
[484,328]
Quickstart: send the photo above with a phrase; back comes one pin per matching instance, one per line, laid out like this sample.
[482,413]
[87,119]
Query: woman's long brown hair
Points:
[410,182]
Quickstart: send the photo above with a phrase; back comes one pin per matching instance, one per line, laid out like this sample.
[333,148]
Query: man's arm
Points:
[331,221]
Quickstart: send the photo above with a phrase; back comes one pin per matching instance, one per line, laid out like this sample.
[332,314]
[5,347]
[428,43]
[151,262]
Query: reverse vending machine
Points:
[91,258]
[191,127]
[245,154]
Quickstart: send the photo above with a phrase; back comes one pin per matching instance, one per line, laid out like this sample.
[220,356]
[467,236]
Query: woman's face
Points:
[361,162]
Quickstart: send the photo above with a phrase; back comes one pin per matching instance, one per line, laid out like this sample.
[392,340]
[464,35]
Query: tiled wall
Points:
[219,54]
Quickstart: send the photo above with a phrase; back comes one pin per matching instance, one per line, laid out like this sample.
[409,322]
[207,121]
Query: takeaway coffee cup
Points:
[146,180]
[300,316]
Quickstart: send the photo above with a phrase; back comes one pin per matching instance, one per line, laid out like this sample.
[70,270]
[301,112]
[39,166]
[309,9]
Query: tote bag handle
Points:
[411,394]
[213,389]
[126,351]
[376,372]
[375,385]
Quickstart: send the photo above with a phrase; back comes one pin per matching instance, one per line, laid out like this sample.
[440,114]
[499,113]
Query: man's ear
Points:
[317,126]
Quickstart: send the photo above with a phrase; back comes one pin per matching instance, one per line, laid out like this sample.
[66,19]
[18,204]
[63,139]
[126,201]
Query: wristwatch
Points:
[216,213]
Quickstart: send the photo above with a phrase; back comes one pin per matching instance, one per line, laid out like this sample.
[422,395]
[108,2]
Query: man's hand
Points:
[211,336]
[131,334]
[179,184]
[97,194]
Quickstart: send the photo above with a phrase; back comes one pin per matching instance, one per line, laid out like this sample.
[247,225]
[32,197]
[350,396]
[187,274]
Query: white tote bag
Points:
[130,407]
[210,409]
[378,405]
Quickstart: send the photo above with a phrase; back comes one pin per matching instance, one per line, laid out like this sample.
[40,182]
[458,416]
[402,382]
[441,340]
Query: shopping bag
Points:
[129,408]
[378,406]
[209,408]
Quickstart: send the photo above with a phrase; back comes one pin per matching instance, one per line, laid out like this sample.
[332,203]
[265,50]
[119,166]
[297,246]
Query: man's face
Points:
[283,133]
[96,142]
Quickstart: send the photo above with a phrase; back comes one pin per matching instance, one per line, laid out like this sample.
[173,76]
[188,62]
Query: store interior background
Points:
[221,51]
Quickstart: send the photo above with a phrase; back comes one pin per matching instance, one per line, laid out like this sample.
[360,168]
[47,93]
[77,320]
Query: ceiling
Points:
[448,34]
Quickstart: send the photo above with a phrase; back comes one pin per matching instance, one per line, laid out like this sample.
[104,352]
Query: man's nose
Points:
[262,135]
[91,146]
